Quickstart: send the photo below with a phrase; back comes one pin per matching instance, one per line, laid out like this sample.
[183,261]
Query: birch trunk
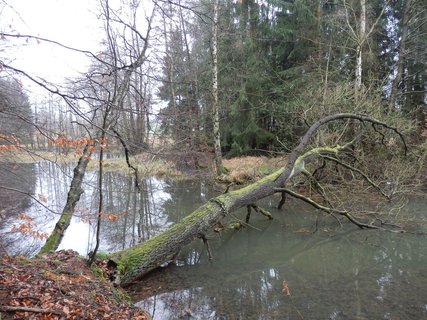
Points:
[361,40]
[215,107]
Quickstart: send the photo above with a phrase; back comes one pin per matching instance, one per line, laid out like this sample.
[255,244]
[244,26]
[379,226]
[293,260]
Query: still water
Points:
[301,265]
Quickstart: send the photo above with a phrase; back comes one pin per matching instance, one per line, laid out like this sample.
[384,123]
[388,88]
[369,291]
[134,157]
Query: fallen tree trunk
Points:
[137,261]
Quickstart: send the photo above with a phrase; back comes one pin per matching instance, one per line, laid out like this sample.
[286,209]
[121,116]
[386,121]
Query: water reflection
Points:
[293,267]
[129,216]
[16,182]
[331,274]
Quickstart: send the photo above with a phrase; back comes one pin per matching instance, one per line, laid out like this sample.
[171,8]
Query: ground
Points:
[60,285]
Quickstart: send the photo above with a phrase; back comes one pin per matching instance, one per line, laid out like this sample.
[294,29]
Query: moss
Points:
[97,271]
[25,260]
[102,256]
[235,225]
[129,261]
[260,182]
[52,242]
[121,296]
[265,169]
[56,262]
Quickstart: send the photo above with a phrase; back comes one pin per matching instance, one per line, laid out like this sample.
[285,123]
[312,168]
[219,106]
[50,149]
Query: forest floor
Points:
[60,285]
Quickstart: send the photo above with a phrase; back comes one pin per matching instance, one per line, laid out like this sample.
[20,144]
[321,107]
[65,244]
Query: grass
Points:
[241,170]
[35,156]
[245,169]
[146,167]
[146,164]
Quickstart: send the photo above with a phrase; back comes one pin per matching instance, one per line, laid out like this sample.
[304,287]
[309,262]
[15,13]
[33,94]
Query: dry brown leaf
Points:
[285,288]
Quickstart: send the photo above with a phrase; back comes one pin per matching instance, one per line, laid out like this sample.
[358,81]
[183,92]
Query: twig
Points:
[248,215]
[35,310]
[262,211]
[346,214]
[372,183]
[208,248]
[31,196]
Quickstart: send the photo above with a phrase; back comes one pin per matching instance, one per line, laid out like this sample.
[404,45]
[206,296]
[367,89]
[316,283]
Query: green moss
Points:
[56,262]
[235,225]
[264,169]
[129,260]
[25,260]
[50,244]
[121,296]
[53,241]
[97,271]
[102,256]
[253,186]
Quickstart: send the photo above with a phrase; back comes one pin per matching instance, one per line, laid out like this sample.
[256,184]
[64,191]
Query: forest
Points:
[191,125]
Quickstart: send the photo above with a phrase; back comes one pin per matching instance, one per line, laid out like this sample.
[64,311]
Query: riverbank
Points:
[60,285]
[241,170]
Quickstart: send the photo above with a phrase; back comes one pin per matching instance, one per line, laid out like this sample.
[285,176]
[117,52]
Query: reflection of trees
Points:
[140,215]
[330,276]
[146,213]
[22,178]
[135,211]
[186,196]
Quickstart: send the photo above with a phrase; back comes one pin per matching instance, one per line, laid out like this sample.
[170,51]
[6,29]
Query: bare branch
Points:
[344,213]
[31,196]
[287,172]
[372,183]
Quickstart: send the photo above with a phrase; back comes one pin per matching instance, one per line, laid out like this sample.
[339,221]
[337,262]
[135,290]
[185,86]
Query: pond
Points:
[301,265]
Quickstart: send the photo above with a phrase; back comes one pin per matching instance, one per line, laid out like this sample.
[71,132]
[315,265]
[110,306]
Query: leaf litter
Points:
[60,285]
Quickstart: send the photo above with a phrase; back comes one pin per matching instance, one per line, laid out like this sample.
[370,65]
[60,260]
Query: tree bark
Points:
[137,261]
[215,107]
[73,197]
[401,56]
[361,39]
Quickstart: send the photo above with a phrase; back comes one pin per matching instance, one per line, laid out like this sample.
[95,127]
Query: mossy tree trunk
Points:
[137,261]
[73,197]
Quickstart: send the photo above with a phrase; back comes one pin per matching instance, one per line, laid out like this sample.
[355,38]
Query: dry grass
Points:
[146,164]
[246,169]
[241,169]
[35,156]
[146,167]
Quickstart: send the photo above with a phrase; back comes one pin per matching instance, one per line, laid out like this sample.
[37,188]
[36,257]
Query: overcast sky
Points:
[71,22]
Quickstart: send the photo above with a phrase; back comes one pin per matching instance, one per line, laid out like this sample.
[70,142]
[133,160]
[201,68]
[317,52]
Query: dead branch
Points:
[329,210]
[372,183]
[35,310]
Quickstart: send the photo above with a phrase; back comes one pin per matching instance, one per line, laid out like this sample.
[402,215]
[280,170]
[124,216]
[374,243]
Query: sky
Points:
[70,22]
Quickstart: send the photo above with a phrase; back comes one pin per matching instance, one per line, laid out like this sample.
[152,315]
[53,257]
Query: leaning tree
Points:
[137,261]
